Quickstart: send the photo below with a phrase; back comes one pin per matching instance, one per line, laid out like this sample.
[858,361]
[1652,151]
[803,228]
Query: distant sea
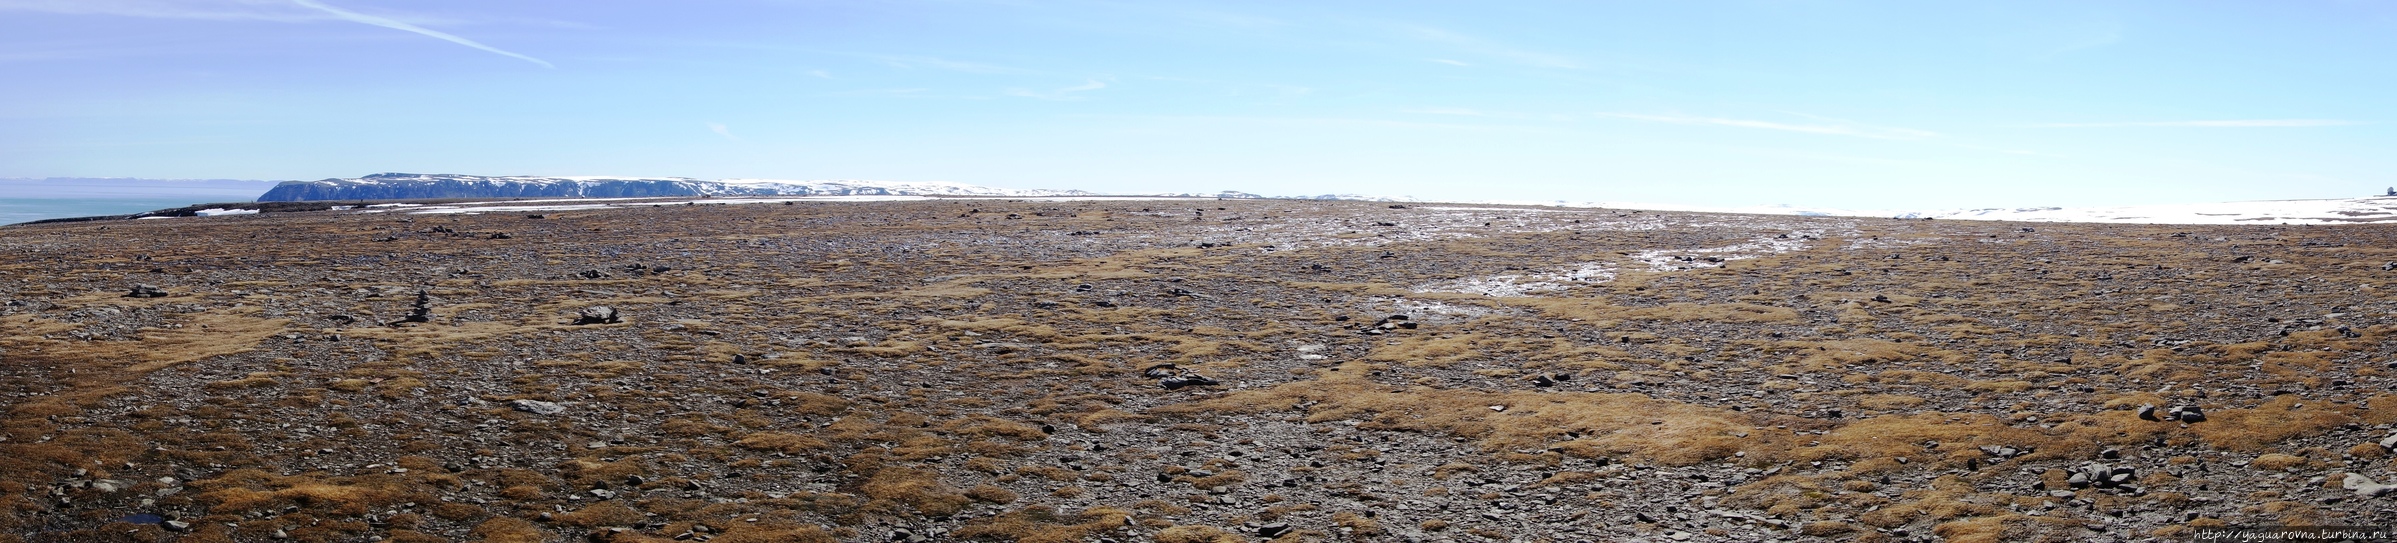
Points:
[17,210]
[23,200]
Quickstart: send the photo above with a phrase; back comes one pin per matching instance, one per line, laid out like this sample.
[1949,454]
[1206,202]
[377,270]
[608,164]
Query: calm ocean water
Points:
[17,210]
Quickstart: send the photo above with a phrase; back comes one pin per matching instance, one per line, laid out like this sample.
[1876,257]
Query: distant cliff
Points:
[408,186]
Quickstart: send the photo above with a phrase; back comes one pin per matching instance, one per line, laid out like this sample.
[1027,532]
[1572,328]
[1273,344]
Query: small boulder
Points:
[598,314]
[2364,486]
[146,291]
[537,407]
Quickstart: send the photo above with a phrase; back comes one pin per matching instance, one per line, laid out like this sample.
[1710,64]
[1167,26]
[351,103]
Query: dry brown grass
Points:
[1611,424]
[2254,429]
[607,513]
[509,530]
[1196,534]
[917,489]
[781,442]
[1983,350]
[1041,524]
[2277,461]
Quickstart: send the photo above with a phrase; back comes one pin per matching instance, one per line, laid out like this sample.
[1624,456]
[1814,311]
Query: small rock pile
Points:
[1176,378]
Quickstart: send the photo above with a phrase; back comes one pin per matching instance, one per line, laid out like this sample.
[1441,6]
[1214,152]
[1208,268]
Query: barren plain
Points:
[1186,371]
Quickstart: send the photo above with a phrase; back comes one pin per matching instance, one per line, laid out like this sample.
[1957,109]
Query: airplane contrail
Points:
[388,23]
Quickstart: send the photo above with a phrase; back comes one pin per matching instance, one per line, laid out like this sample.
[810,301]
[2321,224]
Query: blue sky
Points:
[1846,104]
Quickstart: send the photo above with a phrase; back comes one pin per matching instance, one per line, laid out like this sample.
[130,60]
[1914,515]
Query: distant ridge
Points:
[411,186]
[416,186]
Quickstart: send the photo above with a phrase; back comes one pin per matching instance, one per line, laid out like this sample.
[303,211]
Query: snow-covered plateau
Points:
[394,186]
[399,186]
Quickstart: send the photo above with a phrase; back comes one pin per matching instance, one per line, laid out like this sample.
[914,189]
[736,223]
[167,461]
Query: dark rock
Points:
[2148,412]
[1187,380]
[422,311]
[1393,322]
[146,291]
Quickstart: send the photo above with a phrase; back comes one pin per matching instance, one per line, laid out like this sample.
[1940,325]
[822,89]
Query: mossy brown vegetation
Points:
[973,370]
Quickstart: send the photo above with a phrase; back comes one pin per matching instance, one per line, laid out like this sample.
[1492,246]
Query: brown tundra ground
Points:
[987,370]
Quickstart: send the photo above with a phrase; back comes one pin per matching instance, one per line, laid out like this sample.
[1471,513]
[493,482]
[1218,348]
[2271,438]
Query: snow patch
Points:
[1715,257]
[1528,284]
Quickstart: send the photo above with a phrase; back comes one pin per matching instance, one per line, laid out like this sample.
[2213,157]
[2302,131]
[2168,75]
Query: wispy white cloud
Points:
[720,130]
[1225,18]
[73,52]
[1489,48]
[248,10]
[917,61]
[2234,123]
[1066,93]
[387,22]
[1832,127]
[1446,111]
[1447,61]
[223,10]
[901,92]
